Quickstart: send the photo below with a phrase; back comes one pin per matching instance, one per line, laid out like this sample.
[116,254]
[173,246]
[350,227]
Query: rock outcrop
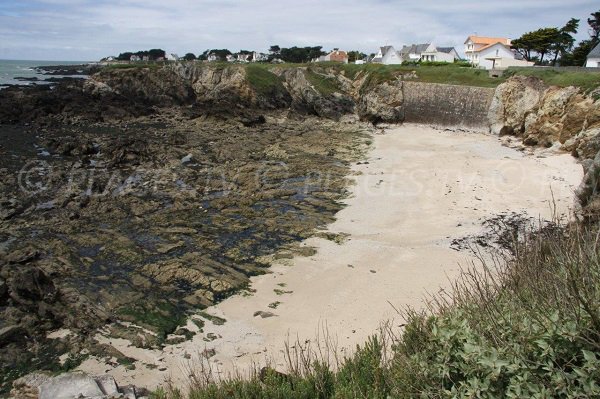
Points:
[200,89]
[71,386]
[544,115]
[547,116]
[384,103]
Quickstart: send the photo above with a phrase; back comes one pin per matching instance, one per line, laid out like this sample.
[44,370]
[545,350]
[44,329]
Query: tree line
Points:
[293,54]
[552,45]
[153,55]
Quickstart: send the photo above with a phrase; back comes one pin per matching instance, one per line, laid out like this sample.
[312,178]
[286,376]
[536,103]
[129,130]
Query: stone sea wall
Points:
[446,105]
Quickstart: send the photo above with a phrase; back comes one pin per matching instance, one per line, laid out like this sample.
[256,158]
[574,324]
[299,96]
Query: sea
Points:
[11,69]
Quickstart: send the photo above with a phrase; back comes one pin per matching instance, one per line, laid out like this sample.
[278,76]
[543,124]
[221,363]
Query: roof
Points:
[488,40]
[446,50]
[595,53]
[415,48]
[385,49]
[340,52]
[491,45]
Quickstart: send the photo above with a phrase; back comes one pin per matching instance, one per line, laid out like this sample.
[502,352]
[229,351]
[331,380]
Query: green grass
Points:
[585,80]
[322,83]
[162,319]
[527,326]
[263,81]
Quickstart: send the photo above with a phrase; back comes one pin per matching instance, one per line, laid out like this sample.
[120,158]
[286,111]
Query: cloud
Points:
[89,30]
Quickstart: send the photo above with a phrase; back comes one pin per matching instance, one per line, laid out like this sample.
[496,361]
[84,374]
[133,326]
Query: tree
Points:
[275,50]
[578,56]
[564,39]
[221,54]
[594,23]
[356,55]
[125,56]
[204,55]
[189,57]
[541,41]
[301,54]
[152,55]
[156,53]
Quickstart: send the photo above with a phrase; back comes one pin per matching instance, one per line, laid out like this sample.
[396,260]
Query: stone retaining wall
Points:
[447,105]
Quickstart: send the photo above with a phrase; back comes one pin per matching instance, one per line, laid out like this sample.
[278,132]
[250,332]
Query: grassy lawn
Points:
[585,80]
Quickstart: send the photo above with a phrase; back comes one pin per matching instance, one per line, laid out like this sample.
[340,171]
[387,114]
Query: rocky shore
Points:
[134,199]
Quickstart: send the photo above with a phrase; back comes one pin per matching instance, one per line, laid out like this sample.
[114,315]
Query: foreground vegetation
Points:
[524,325]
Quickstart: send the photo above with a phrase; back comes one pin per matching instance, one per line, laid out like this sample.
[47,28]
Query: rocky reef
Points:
[134,199]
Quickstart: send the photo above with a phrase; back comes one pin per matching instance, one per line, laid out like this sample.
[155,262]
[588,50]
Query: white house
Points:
[491,53]
[259,57]
[439,54]
[414,51]
[242,57]
[593,58]
[230,58]
[172,57]
[212,57]
[387,55]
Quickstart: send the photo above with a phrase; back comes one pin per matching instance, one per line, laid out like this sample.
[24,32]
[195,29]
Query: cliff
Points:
[117,93]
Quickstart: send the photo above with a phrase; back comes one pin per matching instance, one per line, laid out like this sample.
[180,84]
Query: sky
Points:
[87,30]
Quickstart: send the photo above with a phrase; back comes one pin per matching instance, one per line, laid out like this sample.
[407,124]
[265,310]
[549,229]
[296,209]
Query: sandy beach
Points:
[419,189]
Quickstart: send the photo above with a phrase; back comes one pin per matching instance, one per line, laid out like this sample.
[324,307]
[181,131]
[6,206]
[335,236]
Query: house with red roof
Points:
[492,53]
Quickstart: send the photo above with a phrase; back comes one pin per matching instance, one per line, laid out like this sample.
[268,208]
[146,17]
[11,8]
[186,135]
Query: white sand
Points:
[420,189]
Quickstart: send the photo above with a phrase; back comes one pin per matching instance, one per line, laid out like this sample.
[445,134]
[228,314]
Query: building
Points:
[492,53]
[213,57]
[336,55]
[475,45]
[135,58]
[387,55]
[593,58]
[172,57]
[414,52]
[259,57]
[243,57]
[439,54]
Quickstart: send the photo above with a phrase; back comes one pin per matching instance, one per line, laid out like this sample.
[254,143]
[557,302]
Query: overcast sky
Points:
[85,30]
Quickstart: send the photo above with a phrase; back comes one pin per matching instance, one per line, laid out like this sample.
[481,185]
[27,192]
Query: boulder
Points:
[27,387]
[70,386]
[76,385]
[383,103]
[513,102]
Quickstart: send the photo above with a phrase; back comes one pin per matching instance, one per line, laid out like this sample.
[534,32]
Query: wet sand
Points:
[419,189]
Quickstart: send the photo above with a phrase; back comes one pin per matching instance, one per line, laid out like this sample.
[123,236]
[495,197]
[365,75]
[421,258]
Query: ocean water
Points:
[10,69]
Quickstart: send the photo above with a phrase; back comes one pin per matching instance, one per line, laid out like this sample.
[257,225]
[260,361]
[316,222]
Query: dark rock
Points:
[251,122]
[10,334]
[263,314]
[30,285]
